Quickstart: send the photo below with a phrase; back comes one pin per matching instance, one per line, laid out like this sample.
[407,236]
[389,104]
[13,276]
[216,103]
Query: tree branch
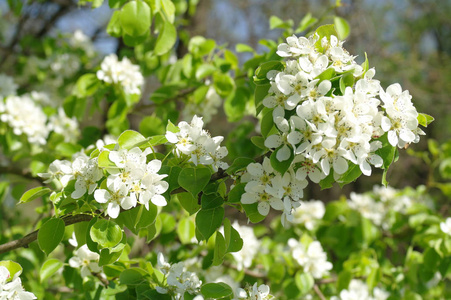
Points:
[31,237]
[27,175]
[318,292]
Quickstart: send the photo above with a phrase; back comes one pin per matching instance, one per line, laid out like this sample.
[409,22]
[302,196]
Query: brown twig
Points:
[31,237]
[318,292]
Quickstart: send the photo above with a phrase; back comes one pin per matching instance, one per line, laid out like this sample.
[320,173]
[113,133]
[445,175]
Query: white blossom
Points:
[312,258]
[85,260]
[192,140]
[446,226]
[121,72]
[11,288]
[308,213]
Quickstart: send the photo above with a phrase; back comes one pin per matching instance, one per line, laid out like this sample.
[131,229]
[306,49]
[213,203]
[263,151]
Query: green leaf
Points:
[130,139]
[13,267]
[304,282]
[260,74]
[260,93]
[157,140]
[93,246]
[200,46]
[424,119]
[35,193]
[216,290]
[324,31]
[194,180]
[51,234]
[135,18]
[235,104]
[87,85]
[166,39]
[374,278]
[252,213]
[259,141]
[344,278]
[104,160]
[366,64]
[209,201]
[233,241]
[168,10]
[223,84]
[151,125]
[204,70]
[267,123]
[114,27]
[327,182]
[96,3]
[243,48]
[326,75]
[106,233]
[108,257]
[350,175]
[220,249]
[132,276]
[275,22]
[188,202]
[208,221]
[342,27]
[49,267]
[144,216]
[239,164]
[186,230]
[306,22]
[236,193]
[231,58]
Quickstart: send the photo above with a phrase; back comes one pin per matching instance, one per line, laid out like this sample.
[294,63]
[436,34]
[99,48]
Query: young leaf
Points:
[135,18]
[35,193]
[130,139]
[216,290]
[51,234]
[342,27]
[194,180]
[106,233]
[166,39]
[220,249]
[208,221]
[50,267]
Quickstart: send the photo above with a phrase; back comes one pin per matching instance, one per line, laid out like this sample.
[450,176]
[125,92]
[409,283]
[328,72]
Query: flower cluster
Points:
[330,115]
[11,288]
[359,290]
[255,292]
[83,169]
[121,72]
[178,280]
[25,116]
[269,188]
[194,141]
[312,258]
[376,206]
[132,180]
[308,213]
[85,260]
[330,122]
